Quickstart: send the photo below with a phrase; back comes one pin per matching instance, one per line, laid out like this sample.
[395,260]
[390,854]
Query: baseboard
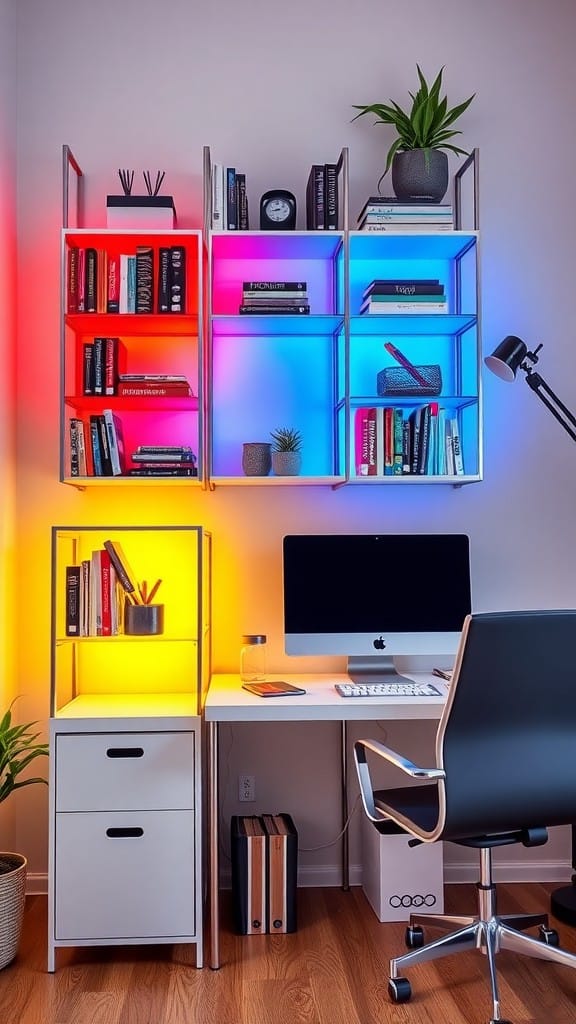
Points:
[36,883]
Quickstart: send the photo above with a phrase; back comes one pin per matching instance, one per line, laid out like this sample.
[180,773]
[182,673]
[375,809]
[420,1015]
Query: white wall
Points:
[135,84]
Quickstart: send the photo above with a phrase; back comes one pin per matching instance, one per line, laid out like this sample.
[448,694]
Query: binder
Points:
[248,849]
[282,870]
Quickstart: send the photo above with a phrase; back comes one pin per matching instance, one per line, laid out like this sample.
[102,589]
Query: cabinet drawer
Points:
[125,771]
[125,875]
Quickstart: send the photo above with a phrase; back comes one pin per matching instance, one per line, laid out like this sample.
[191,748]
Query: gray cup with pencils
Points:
[145,619]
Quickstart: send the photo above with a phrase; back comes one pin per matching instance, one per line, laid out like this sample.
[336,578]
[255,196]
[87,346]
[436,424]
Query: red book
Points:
[365,442]
[113,296]
[165,390]
[81,280]
[111,365]
[106,592]
[72,279]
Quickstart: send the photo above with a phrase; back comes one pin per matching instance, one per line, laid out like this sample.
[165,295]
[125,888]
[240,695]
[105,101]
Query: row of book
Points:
[390,441]
[274,297]
[97,590]
[147,281]
[322,206]
[264,853]
[101,374]
[414,295]
[387,213]
[97,449]
[229,199]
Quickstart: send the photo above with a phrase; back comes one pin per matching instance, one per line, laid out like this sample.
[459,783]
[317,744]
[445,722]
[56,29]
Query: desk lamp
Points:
[509,356]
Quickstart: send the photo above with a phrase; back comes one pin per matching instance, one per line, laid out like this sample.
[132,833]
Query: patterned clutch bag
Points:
[397,382]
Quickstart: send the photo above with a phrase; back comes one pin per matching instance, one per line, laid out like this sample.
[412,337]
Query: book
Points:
[95,596]
[400,298]
[177,471]
[231,200]
[382,289]
[406,218]
[398,432]
[282,869]
[113,294]
[415,420]
[141,389]
[177,279]
[406,229]
[155,449]
[105,458]
[394,203]
[72,600]
[111,350]
[95,446]
[131,286]
[242,202]
[72,279]
[272,286]
[218,223]
[365,441]
[144,279]
[85,597]
[404,307]
[115,442]
[248,857]
[315,198]
[384,282]
[91,280]
[163,456]
[124,572]
[73,437]
[282,297]
[456,446]
[163,295]
[98,365]
[424,439]
[270,308]
[88,368]
[105,593]
[388,440]
[81,448]
[101,281]
[330,197]
[81,279]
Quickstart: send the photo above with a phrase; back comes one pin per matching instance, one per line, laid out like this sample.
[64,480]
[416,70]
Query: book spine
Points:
[162,457]
[110,365]
[406,445]
[123,293]
[398,433]
[95,445]
[270,308]
[404,289]
[95,627]
[385,309]
[231,203]
[99,360]
[177,279]
[456,447]
[415,419]
[163,279]
[418,229]
[150,391]
[131,285]
[331,197]
[88,368]
[110,424]
[91,279]
[388,441]
[144,279]
[74,460]
[85,597]
[72,279]
[113,296]
[273,286]
[365,441]
[101,281]
[72,600]
[81,278]
[176,471]
[424,439]
[104,446]
[81,447]
[218,223]
[286,297]
[242,202]
[106,592]
[163,449]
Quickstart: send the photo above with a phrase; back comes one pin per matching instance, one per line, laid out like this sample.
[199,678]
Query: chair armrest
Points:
[364,778]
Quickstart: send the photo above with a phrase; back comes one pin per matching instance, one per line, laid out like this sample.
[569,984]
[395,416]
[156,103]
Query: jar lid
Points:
[254,638]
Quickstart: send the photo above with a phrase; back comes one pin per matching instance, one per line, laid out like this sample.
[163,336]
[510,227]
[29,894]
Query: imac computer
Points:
[375,597]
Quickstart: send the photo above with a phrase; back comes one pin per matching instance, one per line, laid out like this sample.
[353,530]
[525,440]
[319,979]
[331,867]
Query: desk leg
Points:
[214,838]
[344,805]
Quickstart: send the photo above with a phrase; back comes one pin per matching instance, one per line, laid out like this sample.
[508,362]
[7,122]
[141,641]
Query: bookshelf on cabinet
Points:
[314,372]
[125,846]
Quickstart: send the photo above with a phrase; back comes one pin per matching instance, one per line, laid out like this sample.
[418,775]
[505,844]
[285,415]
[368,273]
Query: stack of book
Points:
[395,295]
[322,198]
[164,460]
[153,385]
[386,213]
[396,441]
[274,297]
[229,199]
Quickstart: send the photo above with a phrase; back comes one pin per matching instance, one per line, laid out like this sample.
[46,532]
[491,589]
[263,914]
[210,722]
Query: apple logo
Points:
[379,643]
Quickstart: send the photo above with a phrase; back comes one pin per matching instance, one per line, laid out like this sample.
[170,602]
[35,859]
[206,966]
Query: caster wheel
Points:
[549,936]
[414,937]
[399,990]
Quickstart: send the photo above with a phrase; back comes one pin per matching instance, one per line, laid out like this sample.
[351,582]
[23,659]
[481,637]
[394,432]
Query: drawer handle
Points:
[125,752]
[124,833]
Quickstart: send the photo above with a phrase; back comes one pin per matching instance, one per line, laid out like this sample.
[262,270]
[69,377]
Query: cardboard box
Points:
[148,212]
[397,879]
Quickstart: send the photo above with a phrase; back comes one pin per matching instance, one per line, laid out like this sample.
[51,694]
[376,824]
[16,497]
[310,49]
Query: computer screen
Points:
[373,597]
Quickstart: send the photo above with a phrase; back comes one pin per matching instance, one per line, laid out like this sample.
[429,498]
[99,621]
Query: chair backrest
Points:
[507,737]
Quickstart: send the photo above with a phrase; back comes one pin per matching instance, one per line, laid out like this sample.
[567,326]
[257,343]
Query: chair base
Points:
[487,932]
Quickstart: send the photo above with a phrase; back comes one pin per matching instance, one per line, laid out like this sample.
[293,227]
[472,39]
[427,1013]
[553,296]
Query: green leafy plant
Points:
[427,125]
[18,748]
[285,439]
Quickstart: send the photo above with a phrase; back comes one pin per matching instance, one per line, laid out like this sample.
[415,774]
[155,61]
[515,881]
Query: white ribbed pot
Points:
[12,900]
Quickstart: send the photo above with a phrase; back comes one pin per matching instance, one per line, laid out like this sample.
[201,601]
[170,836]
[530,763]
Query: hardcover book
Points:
[144,279]
[124,572]
[91,280]
[177,279]
[231,200]
[72,600]
[331,197]
[315,198]
[163,301]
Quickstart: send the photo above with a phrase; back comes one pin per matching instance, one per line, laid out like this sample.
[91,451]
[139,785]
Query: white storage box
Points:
[398,879]
[148,212]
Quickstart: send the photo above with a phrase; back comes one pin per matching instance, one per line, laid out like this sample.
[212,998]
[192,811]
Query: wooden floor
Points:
[333,970]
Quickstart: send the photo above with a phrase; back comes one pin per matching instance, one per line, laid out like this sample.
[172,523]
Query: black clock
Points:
[278,210]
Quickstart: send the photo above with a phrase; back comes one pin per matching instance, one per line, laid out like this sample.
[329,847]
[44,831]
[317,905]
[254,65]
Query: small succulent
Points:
[285,439]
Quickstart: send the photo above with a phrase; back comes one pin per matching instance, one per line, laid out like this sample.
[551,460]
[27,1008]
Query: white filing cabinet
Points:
[125,831]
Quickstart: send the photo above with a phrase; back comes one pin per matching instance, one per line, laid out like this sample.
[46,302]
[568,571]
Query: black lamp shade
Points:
[507,357]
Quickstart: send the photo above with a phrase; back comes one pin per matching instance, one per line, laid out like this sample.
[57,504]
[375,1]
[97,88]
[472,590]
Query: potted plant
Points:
[419,163]
[18,748]
[286,457]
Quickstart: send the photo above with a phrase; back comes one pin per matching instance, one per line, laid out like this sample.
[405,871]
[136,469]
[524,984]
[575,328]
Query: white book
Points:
[112,442]
[409,229]
[385,308]
[449,448]
[218,196]
[456,447]
[441,442]
[123,295]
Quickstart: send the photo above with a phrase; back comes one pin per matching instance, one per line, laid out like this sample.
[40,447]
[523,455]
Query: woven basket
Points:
[12,898]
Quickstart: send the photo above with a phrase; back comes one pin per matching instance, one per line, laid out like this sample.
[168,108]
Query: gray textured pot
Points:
[420,174]
[286,463]
[256,458]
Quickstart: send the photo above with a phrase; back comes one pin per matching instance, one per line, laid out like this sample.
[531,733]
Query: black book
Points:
[415,421]
[330,197]
[269,286]
[88,369]
[177,279]
[144,279]
[72,600]
[231,200]
[404,289]
[163,305]
[95,446]
[104,446]
[164,471]
[424,438]
[91,285]
[315,198]
[267,310]
[242,202]
[99,365]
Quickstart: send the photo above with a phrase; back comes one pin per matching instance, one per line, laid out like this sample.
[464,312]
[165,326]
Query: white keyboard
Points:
[387,690]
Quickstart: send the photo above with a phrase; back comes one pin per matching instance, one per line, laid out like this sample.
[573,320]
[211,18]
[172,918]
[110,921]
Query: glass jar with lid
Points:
[253,657]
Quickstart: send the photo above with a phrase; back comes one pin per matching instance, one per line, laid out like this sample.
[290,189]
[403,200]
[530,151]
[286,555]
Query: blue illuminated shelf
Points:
[275,326]
[412,324]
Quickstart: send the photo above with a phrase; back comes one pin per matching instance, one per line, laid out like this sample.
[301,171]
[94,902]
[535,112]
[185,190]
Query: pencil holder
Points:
[143,619]
[397,382]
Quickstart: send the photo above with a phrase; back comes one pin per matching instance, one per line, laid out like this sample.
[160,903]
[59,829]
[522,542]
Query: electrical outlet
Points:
[246,787]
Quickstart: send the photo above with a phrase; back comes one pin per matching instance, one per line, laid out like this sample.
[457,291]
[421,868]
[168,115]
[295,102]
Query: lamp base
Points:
[563,904]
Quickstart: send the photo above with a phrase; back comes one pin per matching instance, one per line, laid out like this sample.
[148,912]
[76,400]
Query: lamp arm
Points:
[551,401]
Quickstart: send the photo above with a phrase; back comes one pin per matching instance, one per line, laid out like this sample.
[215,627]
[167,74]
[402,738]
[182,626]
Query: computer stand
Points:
[378,669]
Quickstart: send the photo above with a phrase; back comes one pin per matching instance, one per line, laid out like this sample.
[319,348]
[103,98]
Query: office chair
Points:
[505,772]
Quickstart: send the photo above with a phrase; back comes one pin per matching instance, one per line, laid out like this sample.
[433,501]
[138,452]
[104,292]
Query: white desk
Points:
[226,701]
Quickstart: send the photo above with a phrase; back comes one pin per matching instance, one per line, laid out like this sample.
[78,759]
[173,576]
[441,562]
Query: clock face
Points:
[278,210]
